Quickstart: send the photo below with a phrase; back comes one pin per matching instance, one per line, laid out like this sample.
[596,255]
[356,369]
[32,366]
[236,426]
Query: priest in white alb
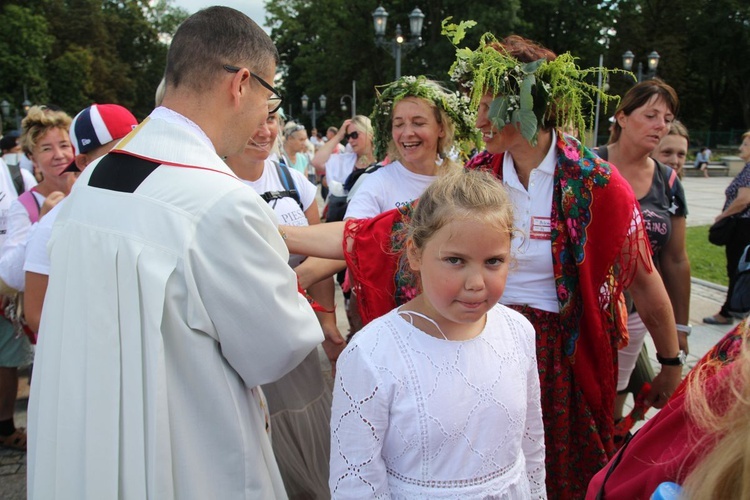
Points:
[170,298]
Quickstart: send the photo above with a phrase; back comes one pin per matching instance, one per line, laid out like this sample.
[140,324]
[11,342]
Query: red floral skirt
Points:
[575,437]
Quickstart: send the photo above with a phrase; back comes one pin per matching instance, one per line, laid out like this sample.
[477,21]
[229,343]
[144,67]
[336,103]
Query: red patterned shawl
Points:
[598,240]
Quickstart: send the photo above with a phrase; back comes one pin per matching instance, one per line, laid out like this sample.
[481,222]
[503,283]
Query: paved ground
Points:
[705,201]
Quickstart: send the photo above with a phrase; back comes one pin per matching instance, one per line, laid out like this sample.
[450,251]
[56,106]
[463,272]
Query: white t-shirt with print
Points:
[388,187]
[339,166]
[287,209]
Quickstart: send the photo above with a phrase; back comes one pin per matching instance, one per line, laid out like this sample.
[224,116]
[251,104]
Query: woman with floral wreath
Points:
[583,243]
[415,120]
[423,128]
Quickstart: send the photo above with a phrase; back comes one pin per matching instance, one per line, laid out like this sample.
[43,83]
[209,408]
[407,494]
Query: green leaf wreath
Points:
[528,95]
[455,104]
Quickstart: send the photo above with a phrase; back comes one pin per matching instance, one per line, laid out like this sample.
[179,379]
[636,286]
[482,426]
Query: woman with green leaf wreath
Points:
[583,243]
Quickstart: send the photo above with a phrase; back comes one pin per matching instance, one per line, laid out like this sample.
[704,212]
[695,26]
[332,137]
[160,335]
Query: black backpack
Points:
[290,189]
[337,205]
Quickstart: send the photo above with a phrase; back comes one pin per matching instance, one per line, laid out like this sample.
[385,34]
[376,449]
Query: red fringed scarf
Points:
[597,242]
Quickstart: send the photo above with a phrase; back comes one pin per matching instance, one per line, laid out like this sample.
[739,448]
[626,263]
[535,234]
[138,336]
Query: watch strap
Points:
[676,361]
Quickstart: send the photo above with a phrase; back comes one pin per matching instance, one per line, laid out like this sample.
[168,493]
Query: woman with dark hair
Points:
[642,120]
[583,244]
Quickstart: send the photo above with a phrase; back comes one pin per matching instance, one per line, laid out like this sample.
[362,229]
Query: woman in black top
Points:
[642,119]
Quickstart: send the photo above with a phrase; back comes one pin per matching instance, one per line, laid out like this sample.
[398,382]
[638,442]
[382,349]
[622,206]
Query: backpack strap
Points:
[31,204]
[670,176]
[672,180]
[15,174]
[290,189]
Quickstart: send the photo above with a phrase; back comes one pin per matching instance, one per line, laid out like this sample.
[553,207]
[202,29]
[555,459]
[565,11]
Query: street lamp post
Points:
[352,99]
[653,62]
[398,45]
[598,100]
[315,112]
[342,102]
[5,109]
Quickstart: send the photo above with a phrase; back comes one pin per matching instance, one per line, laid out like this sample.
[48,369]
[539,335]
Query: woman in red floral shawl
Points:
[581,242]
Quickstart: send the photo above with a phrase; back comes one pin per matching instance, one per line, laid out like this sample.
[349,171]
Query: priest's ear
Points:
[240,82]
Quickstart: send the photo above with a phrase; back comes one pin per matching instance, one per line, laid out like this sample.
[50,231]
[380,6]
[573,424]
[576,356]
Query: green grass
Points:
[707,262]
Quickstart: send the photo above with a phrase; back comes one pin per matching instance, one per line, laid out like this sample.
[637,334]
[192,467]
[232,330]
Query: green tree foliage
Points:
[703,46]
[325,44]
[25,41]
[72,53]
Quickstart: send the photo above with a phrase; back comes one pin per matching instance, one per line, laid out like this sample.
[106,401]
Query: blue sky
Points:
[253,8]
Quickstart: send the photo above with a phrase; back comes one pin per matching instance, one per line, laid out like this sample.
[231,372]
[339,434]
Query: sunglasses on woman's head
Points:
[353,135]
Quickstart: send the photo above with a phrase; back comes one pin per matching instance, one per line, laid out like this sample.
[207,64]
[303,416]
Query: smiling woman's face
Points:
[53,152]
[672,151]
[415,131]
[261,144]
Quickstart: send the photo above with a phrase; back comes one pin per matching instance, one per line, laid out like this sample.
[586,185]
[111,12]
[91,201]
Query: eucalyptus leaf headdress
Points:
[530,95]
[455,104]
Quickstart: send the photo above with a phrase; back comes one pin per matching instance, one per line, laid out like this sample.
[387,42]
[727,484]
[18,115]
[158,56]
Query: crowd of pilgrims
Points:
[500,281]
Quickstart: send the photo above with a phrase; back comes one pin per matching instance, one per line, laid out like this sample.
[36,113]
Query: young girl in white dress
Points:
[439,398]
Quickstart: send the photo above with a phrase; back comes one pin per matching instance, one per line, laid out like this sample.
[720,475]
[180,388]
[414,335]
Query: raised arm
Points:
[326,150]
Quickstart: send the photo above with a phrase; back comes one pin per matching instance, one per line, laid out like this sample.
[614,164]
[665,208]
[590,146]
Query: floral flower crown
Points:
[456,106]
[530,95]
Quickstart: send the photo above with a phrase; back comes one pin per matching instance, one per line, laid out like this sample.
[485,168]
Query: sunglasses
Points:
[353,135]
[274,102]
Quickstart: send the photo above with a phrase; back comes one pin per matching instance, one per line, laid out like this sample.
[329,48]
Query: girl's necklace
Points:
[409,314]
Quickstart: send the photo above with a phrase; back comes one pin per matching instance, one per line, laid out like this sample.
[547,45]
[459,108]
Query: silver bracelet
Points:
[686,329]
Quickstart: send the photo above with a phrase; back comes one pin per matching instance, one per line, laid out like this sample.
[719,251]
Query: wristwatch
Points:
[678,361]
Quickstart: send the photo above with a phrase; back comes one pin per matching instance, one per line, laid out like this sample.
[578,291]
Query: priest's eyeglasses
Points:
[274,102]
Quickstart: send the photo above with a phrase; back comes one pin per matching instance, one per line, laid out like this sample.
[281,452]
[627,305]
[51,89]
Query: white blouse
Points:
[415,416]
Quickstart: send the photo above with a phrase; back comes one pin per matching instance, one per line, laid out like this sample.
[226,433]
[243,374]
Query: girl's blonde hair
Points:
[460,195]
[40,120]
[725,471]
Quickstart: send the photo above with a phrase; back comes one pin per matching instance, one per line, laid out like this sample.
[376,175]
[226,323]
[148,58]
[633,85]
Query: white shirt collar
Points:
[175,118]
[547,166]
